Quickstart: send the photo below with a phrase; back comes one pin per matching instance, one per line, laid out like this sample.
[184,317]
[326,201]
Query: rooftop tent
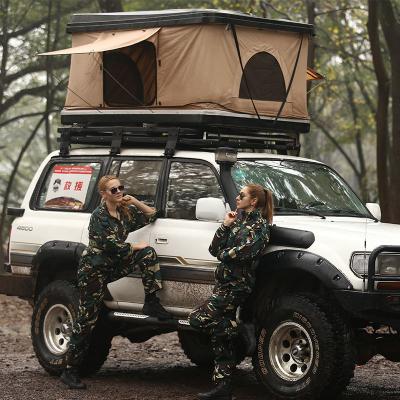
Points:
[191,61]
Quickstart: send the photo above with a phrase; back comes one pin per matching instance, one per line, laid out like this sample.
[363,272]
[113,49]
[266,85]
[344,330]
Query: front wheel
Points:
[52,318]
[295,350]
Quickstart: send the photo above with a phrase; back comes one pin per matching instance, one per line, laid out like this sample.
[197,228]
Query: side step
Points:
[143,319]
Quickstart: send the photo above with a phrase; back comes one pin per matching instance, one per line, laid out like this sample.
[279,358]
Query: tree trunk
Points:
[391,30]
[381,116]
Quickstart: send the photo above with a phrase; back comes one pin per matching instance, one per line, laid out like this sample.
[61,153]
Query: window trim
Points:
[167,173]
[94,196]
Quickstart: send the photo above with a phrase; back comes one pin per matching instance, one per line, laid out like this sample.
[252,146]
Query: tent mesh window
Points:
[264,78]
[129,76]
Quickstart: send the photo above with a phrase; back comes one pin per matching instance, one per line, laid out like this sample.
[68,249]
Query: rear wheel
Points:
[295,350]
[53,315]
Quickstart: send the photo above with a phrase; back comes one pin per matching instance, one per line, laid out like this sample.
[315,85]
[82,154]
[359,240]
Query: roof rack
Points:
[172,138]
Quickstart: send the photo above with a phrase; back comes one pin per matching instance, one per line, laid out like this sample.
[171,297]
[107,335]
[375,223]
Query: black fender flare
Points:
[291,259]
[66,253]
[51,254]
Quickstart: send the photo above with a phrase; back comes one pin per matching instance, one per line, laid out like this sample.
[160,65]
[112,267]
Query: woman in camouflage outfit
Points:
[109,258]
[238,244]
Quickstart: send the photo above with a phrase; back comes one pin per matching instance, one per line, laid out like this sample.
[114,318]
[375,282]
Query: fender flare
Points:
[68,252]
[319,267]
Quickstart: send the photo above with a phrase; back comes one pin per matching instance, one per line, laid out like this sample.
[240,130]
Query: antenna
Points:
[365,252]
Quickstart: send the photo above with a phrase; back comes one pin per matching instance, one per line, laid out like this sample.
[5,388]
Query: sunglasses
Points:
[115,190]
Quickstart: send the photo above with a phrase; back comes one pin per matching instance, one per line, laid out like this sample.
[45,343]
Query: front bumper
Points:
[373,307]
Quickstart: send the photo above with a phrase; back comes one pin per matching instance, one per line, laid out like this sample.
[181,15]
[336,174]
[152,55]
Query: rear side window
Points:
[69,186]
[140,178]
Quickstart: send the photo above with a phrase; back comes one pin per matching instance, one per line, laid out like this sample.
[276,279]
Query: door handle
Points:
[162,240]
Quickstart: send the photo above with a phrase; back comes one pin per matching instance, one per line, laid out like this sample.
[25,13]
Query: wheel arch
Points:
[56,260]
[289,271]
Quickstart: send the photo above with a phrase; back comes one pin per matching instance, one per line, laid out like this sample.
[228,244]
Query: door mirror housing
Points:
[375,210]
[210,209]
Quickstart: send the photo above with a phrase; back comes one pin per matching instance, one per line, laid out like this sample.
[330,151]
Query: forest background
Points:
[355,111]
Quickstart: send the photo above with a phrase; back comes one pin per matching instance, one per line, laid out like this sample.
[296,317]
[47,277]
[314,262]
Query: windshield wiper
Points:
[300,211]
[351,213]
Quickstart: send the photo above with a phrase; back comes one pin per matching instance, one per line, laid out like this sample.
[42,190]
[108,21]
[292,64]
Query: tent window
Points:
[129,76]
[264,77]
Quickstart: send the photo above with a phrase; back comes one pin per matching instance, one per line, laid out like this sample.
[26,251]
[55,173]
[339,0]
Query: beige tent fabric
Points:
[198,67]
[204,67]
[85,89]
[109,40]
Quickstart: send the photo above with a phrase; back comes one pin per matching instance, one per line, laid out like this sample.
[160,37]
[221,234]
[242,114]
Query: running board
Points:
[147,320]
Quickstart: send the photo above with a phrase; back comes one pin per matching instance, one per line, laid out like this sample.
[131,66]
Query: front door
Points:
[182,241]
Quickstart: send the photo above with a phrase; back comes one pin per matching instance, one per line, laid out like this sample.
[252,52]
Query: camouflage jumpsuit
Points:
[238,247]
[108,258]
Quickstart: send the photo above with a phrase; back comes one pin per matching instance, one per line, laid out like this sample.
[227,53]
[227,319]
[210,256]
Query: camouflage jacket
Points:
[243,241]
[107,234]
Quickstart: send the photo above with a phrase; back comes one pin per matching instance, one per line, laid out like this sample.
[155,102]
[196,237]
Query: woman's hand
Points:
[230,218]
[129,200]
[139,246]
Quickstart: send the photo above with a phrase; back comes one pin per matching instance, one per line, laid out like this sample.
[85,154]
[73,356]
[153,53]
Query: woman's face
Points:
[244,201]
[113,192]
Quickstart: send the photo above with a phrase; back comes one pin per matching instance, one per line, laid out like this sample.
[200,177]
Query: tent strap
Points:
[291,80]
[233,29]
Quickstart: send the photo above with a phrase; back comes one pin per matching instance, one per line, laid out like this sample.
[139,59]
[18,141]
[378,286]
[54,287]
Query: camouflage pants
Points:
[217,318]
[92,282]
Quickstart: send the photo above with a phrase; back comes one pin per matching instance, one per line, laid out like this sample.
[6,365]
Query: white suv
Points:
[328,283]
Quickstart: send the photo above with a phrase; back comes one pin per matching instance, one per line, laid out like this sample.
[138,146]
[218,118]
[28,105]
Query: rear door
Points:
[142,178]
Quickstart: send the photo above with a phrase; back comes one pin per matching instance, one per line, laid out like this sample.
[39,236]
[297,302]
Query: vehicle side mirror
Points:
[375,210]
[210,209]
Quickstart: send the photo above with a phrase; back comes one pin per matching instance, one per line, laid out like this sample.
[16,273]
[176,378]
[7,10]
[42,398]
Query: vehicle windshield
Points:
[301,187]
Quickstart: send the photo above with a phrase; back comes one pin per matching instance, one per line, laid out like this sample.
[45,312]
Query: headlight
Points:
[385,264]
[388,264]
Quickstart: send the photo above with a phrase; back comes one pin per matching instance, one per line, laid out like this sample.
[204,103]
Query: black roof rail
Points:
[171,138]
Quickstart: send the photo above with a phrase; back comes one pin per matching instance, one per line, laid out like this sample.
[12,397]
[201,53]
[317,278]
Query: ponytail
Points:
[268,210]
[265,201]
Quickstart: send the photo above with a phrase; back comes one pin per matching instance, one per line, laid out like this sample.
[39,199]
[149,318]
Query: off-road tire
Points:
[58,302]
[344,365]
[197,348]
[295,324]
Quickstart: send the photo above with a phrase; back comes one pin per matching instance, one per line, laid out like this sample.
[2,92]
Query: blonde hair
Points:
[102,187]
[265,201]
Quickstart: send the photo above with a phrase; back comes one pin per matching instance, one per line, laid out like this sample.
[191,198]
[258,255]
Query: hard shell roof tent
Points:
[188,68]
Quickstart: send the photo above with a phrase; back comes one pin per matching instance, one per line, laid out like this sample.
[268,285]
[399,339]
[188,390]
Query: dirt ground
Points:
[152,370]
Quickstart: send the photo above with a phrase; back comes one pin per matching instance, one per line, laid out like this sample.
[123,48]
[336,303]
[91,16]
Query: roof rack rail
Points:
[171,138]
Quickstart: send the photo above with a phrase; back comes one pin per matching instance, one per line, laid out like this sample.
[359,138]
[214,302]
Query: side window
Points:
[140,178]
[69,186]
[188,182]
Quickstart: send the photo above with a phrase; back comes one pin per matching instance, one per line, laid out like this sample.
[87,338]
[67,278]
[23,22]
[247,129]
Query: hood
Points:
[348,232]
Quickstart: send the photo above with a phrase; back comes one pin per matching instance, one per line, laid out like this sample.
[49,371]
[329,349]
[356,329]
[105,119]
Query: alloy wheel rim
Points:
[57,329]
[291,351]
